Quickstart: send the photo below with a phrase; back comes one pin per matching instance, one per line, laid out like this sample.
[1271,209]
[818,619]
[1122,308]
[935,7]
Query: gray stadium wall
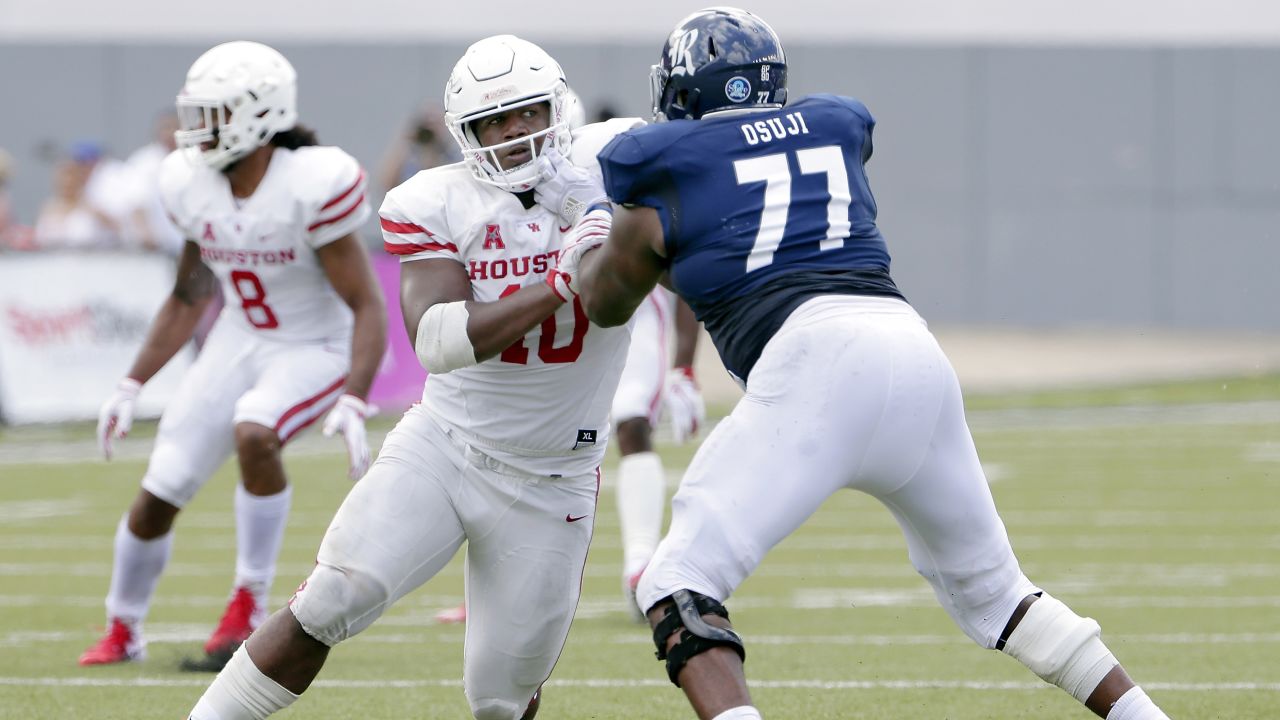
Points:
[1018,186]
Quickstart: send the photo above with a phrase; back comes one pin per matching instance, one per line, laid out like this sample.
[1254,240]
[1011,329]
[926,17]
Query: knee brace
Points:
[1061,647]
[334,604]
[696,636]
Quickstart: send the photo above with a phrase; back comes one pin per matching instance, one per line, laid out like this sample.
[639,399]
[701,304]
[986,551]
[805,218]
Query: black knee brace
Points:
[696,636]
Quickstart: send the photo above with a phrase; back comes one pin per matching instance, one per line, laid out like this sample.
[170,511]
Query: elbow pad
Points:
[442,344]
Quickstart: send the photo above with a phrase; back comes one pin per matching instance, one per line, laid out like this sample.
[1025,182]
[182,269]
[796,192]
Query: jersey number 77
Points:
[775,172]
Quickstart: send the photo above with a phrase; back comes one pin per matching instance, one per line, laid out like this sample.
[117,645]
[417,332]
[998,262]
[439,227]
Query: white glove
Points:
[347,417]
[566,189]
[586,235]
[684,404]
[116,416]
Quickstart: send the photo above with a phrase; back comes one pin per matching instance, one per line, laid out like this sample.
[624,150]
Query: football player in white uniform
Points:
[504,451]
[271,216]
[654,382]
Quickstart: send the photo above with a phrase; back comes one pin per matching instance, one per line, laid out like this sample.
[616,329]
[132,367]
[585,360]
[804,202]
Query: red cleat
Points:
[452,615]
[236,625]
[122,643]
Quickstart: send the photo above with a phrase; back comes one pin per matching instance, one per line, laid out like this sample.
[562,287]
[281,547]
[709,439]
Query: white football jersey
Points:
[542,405]
[262,248]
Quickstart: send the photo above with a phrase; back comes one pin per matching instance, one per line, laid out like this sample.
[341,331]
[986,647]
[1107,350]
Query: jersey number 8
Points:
[253,300]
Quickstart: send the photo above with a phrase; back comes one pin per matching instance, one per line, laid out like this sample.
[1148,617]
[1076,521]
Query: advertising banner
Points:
[70,326]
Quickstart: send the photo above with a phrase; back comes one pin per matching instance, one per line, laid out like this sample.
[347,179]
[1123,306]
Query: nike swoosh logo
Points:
[571,518]
[566,228]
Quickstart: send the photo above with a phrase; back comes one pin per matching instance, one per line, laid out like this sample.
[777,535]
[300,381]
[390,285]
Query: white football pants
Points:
[527,541]
[852,392]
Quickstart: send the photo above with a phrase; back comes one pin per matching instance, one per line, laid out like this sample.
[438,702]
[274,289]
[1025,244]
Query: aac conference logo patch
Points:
[737,89]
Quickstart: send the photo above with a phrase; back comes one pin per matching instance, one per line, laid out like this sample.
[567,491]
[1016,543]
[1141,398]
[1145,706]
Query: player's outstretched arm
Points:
[176,320]
[346,265]
[616,278]
[683,397]
[486,328]
[172,327]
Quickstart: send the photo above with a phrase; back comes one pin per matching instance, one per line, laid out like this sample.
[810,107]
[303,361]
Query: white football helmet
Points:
[495,75]
[574,114]
[237,96]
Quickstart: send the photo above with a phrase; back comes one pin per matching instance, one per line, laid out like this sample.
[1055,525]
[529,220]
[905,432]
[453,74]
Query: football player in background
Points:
[656,380]
[761,213]
[272,216]
[647,390]
[504,451]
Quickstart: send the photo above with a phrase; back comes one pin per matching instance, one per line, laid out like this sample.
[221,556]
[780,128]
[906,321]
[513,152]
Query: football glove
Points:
[116,416]
[347,417]
[566,189]
[684,404]
[586,235]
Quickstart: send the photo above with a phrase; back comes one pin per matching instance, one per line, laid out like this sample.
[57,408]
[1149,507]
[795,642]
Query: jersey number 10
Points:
[774,171]
[518,353]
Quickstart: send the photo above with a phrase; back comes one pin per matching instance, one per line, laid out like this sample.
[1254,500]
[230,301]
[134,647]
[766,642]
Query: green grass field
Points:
[1155,510]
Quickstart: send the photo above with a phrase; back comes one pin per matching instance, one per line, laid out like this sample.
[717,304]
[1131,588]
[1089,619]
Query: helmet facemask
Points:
[497,75]
[238,95]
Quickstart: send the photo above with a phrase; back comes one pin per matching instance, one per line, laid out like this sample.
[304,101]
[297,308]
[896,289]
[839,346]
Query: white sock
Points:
[742,712]
[135,571]
[642,497]
[260,523]
[241,692]
[1135,705]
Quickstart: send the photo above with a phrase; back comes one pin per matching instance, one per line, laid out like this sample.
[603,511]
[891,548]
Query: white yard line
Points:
[73,682]
[188,634]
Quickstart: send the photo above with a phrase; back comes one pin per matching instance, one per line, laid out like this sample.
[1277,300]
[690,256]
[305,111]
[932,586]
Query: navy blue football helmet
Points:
[720,58]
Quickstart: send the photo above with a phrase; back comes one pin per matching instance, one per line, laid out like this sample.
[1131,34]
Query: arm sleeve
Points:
[341,205]
[622,164]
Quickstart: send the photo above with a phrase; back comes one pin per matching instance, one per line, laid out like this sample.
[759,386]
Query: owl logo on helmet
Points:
[237,96]
[707,61]
[495,75]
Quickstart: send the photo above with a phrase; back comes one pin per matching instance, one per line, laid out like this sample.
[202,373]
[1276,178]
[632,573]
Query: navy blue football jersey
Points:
[761,211]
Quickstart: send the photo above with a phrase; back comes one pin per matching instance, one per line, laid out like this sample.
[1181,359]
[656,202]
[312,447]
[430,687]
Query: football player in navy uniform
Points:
[760,214]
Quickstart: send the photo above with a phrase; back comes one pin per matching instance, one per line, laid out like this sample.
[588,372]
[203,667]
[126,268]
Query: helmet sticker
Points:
[737,89]
[681,53]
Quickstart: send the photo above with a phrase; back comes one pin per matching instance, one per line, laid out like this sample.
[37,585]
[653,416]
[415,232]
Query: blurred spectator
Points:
[69,218]
[6,169]
[152,229]
[12,235]
[424,143]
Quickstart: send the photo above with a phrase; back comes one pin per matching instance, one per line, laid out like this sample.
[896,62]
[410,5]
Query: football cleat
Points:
[236,625]
[122,643]
[452,615]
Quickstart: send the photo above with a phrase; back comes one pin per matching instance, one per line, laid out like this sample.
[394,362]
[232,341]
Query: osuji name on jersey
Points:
[513,267]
